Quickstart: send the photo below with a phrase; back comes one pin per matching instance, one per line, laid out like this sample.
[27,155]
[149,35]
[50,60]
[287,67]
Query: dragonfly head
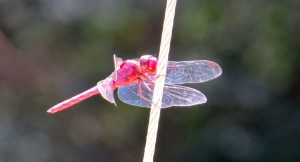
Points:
[148,64]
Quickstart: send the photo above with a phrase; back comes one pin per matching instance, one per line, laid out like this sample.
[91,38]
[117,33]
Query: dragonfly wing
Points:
[130,95]
[192,71]
[117,62]
[176,95]
[105,88]
[173,95]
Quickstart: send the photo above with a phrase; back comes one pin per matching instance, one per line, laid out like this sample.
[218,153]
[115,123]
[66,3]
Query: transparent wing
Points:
[192,71]
[173,95]
[117,62]
[106,89]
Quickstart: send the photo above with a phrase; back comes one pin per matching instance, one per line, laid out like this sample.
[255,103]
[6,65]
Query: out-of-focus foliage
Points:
[51,50]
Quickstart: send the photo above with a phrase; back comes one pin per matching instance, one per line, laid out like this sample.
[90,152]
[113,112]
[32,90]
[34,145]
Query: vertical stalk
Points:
[159,83]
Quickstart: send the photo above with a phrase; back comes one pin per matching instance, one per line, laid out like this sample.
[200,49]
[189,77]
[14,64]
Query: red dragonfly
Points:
[135,82]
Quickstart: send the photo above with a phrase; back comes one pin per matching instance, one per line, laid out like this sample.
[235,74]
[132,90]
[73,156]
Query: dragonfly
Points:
[135,80]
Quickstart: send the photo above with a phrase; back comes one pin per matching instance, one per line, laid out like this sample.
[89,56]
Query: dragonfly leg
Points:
[156,76]
[146,85]
[148,79]
[140,88]
[141,92]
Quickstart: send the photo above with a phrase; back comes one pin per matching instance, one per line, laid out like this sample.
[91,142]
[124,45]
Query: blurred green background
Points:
[52,50]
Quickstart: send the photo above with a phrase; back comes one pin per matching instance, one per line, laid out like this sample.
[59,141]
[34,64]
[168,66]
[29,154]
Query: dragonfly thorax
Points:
[128,73]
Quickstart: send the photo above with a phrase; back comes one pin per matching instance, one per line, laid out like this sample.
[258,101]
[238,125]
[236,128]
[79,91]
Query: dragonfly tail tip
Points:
[50,111]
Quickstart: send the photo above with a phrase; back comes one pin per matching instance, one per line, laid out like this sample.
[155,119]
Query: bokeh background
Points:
[52,50]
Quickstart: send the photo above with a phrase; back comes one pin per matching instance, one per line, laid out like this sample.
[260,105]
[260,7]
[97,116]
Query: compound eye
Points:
[152,62]
[144,64]
[148,64]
